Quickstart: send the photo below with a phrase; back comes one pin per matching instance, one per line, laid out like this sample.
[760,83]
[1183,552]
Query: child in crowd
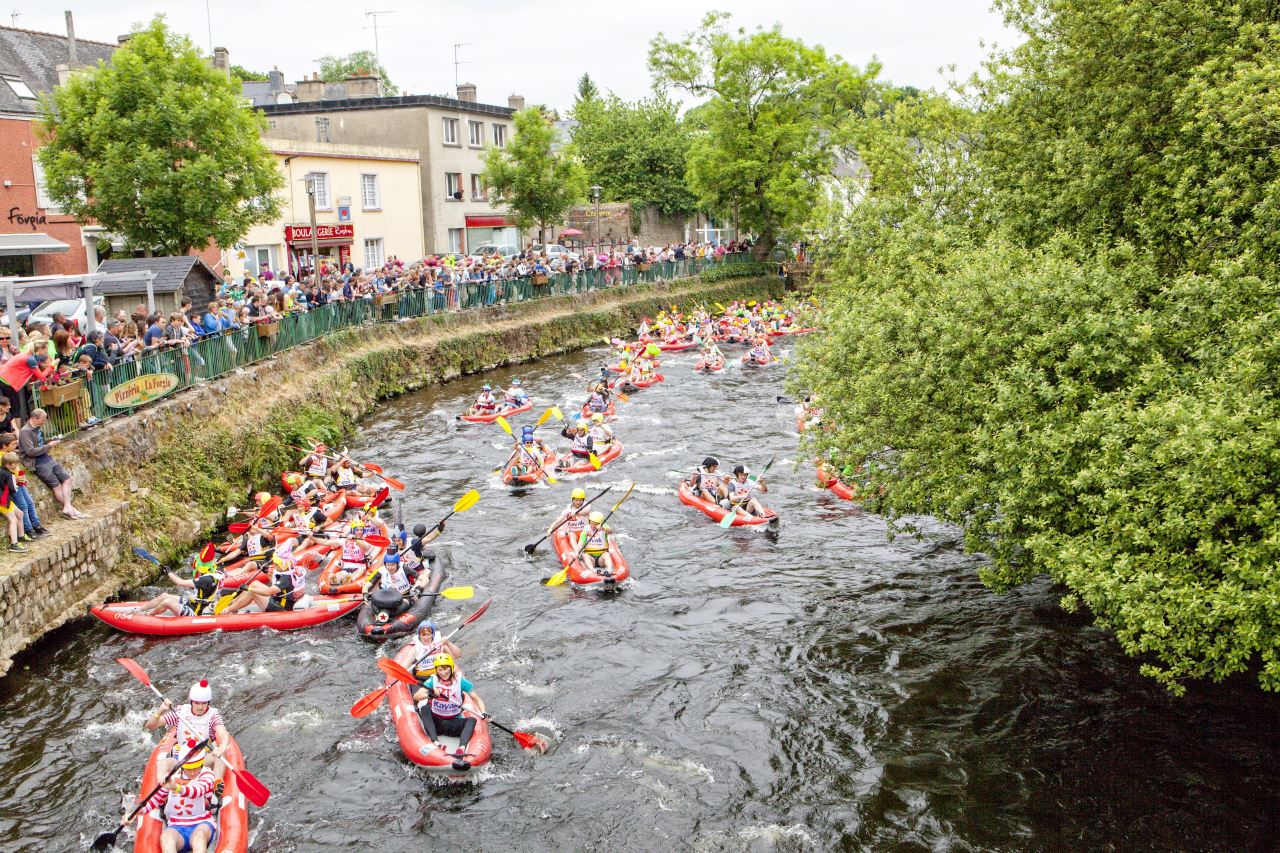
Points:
[31,523]
[9,509]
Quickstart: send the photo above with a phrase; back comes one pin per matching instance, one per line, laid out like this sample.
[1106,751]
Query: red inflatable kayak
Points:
[704,366]
[580,465]
[413,738]
[319,610]
[749,361]
[497,413]
[233,816]
[333,565]
[804,330]
[716,512]
[676,346]
[610,412]
[645,383]
[578,574]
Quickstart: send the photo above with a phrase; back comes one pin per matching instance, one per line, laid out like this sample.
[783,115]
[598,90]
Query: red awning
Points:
[489,222]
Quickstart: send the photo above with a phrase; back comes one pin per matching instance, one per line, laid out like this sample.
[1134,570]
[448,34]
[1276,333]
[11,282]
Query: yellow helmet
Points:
[597,517]
[579,495]
[443,659]
[194,761]
[355,526]
[371,511]
[262,497]
[598,418]
[294,479]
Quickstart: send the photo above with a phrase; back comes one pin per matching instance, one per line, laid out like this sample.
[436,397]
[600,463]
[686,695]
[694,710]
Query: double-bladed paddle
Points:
[533,546]
[506,427]
[727,521]
[559,577]
[107,840]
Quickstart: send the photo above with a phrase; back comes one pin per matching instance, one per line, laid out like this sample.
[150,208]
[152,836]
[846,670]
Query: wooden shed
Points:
[176,277]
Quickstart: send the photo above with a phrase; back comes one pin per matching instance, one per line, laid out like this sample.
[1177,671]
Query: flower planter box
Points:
[56,395]
[386,299]
[643,267]
[540,279]
[268,330]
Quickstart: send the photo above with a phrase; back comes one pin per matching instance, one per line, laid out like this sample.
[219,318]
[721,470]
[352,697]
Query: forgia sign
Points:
[302,233]
[142,389]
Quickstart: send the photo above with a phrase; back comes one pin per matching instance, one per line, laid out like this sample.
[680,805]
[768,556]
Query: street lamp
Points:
[315,239]
[595,196]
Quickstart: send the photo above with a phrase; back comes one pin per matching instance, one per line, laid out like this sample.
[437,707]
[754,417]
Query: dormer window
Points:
[20,88]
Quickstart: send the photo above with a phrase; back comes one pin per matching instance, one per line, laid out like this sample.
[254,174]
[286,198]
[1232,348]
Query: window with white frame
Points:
[370,197]
[455,239]
[450,131]
[320,181]
[20,88]
[475,134]
[42,192]
[453,185]
[374,255]
[478,192]
[499,135]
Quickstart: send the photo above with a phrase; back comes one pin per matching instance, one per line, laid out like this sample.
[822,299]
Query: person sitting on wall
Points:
[35,453]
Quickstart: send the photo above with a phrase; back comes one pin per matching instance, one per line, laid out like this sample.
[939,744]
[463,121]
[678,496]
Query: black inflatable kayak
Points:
[388,614]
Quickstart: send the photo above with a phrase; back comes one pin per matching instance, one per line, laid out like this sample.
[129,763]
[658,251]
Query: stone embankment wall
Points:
[164,477]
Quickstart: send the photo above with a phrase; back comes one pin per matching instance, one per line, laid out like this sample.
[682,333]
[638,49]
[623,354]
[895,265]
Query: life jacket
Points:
[291,580]
[411,557]
[392,575]
[577,519]
[738,490]
[425,652]
[600,435]
[450,705]
[203,599]
[190,726]
[597,540]
[580,446]
[597,402]
[345,477]
[352,555]
[190,805]
[486,401]
[709,482]
[253,544]
[319,466]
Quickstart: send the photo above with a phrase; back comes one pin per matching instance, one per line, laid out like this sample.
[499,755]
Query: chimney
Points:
[515,102]
[64,73]
[309,89]
[363,86]
[275,78]
[71,41]
[467,92]
[124,39]
[222,61]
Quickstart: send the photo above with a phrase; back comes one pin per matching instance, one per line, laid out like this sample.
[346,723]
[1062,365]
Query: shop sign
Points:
[17,217]
[302,233]
[142,389]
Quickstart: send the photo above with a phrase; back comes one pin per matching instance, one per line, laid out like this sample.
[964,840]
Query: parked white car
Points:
[74,309]
[487,250]
[554,250]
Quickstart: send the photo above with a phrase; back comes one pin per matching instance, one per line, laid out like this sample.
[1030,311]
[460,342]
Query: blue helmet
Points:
[526,431]
[427,623]
[515,383]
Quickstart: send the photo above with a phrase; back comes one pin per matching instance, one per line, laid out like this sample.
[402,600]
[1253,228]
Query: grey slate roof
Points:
[170,273]
[33,57]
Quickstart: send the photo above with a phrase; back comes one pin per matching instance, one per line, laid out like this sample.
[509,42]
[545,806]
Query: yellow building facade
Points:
[368,209]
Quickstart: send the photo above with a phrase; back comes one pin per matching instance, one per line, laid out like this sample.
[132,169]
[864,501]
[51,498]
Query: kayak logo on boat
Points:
[142,389]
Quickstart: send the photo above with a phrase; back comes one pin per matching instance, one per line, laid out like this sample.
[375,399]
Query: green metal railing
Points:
[107,393]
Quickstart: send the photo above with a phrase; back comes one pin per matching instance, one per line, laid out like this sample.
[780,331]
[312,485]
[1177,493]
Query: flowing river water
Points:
[821,688]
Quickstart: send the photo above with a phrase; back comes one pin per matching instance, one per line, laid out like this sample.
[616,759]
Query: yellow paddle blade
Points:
[223,603]
[551,480]
[673,309]
[467,501]
[458,593]
[623,397]
[546,416]
[556,413]
[624,497]
[595,461]
[502,422]
[558,578]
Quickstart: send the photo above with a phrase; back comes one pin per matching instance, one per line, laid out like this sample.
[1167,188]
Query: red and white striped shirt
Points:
[201,728]
[189,805]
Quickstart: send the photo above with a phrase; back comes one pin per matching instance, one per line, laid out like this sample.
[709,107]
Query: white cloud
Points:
[540,50]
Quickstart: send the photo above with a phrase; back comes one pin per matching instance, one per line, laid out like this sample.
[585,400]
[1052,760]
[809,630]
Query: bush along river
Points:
[818,686]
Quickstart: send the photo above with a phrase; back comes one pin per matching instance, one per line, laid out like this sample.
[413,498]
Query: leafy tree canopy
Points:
[1051,320]
[334,69]
[157,148]
[587,90]
[245,74]
[536,182]
[771,105]
[636,152]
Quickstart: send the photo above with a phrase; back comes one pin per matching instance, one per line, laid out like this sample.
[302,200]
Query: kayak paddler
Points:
[205,579]
[706,482]
[427,643]
[255,543]
[516,395]
[284,590]
[593,545]
[600,434]
[575,520]
[187,799]
[529,456]
[391,574]
[440,702]
[736,490]
[486,403]
[316,464]
[415,556]
[599,399]
[355,554]
[195,719]
[580,434]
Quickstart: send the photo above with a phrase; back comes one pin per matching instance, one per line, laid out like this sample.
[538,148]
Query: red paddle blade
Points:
[368,703]
[380,497]
[270,506]
[253,790]
[377,540]
[398,485]
[479,612]
[369,466]
[528,741]
[238,527]
[135,670]
[208,552]
[396,671]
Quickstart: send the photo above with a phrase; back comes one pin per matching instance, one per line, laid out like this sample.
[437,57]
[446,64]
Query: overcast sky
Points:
[536,48]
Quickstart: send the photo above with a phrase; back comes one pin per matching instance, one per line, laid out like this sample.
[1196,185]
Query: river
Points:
[821,688]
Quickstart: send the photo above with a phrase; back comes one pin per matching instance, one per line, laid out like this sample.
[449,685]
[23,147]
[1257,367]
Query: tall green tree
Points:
[334,69]
[587,89]
[772,103]
[1051,321]
[157,147]
[636,152]
[244,74]
[531,178]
